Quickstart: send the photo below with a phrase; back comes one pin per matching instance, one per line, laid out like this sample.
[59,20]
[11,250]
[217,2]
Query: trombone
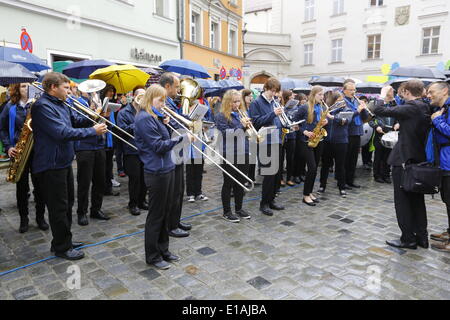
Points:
[91,115]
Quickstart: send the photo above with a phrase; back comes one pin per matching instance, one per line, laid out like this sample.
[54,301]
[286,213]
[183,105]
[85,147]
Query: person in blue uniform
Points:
[155,151]
[55,128]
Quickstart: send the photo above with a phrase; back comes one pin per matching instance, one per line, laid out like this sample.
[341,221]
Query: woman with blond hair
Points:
[155,145]
[232,128]
[311,113]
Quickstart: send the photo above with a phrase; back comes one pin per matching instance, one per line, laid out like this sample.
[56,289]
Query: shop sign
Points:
[143,55]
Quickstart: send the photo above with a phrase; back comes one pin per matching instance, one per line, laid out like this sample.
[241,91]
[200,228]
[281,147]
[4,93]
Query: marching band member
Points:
[12,120]
[232,128]
[155,146]
[54,130]
[289,142]
[311,113]
[299,160]
[247,98]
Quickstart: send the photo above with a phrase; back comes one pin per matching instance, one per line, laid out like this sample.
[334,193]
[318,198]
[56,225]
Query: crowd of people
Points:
[293,151]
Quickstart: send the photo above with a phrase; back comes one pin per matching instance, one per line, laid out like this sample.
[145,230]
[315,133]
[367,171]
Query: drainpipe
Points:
[180,25]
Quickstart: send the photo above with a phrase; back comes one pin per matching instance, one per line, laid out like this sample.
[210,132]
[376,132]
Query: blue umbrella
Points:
[185,67]
[11,73]
[287,84]
[82,69]
[230,85]
[26,59]
[208,84]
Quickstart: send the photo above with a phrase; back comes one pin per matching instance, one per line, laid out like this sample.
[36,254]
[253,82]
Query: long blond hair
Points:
[312,102]
[154,91]
[227,103]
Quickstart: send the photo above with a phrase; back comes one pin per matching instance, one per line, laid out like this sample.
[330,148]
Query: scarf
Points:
[354,107]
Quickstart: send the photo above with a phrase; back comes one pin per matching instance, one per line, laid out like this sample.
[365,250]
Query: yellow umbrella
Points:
[123,77]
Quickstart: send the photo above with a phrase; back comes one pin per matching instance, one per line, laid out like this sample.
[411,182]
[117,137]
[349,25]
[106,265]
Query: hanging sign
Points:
[25,41]
[239,74]
[223,73]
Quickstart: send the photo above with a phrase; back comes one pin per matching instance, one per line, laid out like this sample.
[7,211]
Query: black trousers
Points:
[194,177]
[22,189]
[312,158]
[177,197]
[134,168]
[381,169]
[160,190]
[410,209]
[271,183]
[300,164]
[445,196]
[91,168]
[119,156]
[229,184]
[109,152]
[366,154]
[289,153]
[333,153]
[58,191]
[351,160]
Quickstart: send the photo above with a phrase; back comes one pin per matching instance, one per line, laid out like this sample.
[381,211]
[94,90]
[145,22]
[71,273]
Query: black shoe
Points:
[302,178]
[423,242]
[347,187]
[297,180]
[229,216]
[135,211]
[83,220]
[379,180]
[42,224]
[161,265]
[184,226]
[266,210]
[99,215]
[71,254]
[321,190]
[403,245]
[171,258]
[311,204]
[243,214]
[387,180]
[343,193]
[112,193]
[352,185]
[23,224]
[178,233]
[275,206]
[143,206]
[74,246]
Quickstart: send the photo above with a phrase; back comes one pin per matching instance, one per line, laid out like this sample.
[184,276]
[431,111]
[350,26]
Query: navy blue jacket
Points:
[337,131]
[353,129]
[154,144]
[262,114]
[227,128]
[302,114]
[291,112]
[126,121]
[55,127]
[442,133]
[4,125]
[91,143]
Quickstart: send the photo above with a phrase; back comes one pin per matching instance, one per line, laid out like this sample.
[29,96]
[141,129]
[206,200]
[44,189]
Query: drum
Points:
[368,132]
[389,140]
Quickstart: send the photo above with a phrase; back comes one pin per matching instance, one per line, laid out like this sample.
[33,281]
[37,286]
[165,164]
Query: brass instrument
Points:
[319,131]
[251,131]
[190,91]
[24,146]
[368,110]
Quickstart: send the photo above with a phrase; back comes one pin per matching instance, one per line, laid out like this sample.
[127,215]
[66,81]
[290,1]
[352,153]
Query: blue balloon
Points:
[440,66]
[395,66]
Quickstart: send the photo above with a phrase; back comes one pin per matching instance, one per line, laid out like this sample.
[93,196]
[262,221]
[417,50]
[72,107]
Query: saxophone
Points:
[319,131]
[24,147]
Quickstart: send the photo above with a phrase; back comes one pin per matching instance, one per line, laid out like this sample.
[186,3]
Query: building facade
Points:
[212,36]
[142,33]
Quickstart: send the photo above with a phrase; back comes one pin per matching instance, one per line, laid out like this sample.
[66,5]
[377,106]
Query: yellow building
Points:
[212,36]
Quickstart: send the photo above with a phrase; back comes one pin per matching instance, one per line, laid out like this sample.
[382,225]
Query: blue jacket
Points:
[337,131]
[55,127]
[154,144]
[228,129]
[291,112]
[442,133]
[355,129]
[302,114]
[91,143]
[126,121]
[262,114]
[7,136]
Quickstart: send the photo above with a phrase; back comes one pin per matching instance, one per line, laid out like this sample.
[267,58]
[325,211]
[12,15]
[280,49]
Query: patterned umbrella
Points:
[24,58]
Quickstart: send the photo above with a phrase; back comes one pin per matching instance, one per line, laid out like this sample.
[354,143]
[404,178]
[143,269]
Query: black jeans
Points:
[229,184]
[91,168]
[271,182]
[381,169]
[445,195]
[366,154]
[58,191]
[312,158]
[134,168]
[194,177]
[109,152]
[300,164]
[351,160]
[333,153]
[119,156]
[289,153]
[410,209]
[22,189]
[177,198]
[160,190]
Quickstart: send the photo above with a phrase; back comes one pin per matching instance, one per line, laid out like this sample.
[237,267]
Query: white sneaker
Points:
[115,183]
[202,197]
[191,199]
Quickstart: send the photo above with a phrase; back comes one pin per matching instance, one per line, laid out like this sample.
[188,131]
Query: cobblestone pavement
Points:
[333,251]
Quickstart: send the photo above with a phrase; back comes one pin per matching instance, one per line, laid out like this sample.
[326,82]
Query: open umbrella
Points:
[82,69]
[208,84]
[230,85]
[447,73]
[328,81]
[369,87]
[185,67]
[26,59]
[11,73]
[291,84]
[395,83]
[418,72]
[124,78]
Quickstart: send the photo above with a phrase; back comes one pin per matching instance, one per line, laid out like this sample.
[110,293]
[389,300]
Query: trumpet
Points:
[368,110]
[251,131]
[92,116]
[285,121]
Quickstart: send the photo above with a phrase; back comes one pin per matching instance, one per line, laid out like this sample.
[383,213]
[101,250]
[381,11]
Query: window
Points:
[338,7]
[308,58]
[159,8]
[336,50]
[195,28]
[309,10]
[374,47]
[376,3]
[232,42]
[430,42]
[215,35]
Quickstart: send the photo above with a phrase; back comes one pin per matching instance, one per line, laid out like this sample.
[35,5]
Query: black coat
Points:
[415,123]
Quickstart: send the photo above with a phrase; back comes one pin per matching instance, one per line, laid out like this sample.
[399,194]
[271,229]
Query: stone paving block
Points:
[24,293]
[304,293]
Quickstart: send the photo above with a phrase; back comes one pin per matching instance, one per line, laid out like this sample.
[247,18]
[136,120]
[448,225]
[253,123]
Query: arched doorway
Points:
[260,79]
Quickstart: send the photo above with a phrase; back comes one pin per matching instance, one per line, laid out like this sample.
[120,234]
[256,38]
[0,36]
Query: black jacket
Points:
[415,123]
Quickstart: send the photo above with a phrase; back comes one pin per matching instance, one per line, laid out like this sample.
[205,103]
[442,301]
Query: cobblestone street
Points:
[333,251]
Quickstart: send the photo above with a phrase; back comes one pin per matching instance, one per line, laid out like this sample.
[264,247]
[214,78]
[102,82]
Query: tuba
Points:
[319,131]
[24,146]
[190,91]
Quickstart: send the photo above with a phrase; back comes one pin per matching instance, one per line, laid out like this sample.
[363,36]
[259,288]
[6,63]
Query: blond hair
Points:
[227,103]
[312,102]
[154,91]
